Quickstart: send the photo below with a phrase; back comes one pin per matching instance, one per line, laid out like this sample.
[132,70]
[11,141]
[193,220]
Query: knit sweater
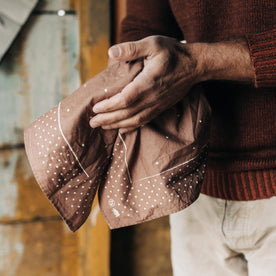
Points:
[242,153]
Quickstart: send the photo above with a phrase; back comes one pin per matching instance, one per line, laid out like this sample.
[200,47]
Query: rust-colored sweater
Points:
[242,157]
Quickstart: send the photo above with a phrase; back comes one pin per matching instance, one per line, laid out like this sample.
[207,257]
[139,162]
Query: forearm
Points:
[170,69]
[223,61]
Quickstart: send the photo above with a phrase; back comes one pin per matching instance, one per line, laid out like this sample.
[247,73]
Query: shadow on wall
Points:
[142,250]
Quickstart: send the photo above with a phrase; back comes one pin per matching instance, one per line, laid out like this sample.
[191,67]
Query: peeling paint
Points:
[8,188]
[11,250]
[39,70]
[94,214]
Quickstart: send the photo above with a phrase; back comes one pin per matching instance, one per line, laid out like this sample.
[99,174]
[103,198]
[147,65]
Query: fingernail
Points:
[115,51]
[96,109]
[94,124]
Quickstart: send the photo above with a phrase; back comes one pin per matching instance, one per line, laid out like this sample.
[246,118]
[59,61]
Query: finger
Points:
[115,116]
[119,101]
[131,94]
[132,50]
[135,121]
[108,105]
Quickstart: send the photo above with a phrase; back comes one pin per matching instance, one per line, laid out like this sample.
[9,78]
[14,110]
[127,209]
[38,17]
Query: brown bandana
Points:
[151,172]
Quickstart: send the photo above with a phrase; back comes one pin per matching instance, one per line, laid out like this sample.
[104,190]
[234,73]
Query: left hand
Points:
[170,70]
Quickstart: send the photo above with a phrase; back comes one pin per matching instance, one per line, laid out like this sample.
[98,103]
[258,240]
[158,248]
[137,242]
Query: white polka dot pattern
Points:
[148,173]
[144,199]
[74,190]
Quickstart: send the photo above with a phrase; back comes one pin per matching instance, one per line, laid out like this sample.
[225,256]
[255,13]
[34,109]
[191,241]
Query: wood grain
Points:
[20,197]
[38,248]
[120,8]
[94,236]
[48,61]
[40,69]
[55,5]
[144,249]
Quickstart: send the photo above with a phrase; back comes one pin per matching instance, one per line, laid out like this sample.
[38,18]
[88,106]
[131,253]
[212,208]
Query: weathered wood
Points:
[17,10]
[151,248]
[39,70]
[144,249]
[12,16]
[38,248]
[94,25]
[94,244]
[20,197]
[55,5]
[119,14]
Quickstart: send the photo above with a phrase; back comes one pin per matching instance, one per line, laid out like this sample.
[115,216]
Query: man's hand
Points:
[170,70]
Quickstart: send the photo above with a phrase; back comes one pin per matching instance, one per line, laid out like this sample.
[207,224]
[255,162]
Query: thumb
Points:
[128,51]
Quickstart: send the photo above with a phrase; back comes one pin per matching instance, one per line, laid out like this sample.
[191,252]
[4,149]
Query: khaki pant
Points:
[222,237]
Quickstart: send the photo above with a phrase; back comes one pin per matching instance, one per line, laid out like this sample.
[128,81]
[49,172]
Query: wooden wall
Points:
[140,250]
[47,62]
[51,57]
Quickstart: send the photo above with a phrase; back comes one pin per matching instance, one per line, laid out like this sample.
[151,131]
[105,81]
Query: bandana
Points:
[151,172]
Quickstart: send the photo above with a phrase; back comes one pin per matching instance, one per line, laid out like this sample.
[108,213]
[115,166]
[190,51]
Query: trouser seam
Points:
[223,220]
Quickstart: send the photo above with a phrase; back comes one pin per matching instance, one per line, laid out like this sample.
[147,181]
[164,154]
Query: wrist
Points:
[228,60]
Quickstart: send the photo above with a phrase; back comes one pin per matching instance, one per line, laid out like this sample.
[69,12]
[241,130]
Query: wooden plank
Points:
[151,248]
[20,196]
[13,15]
[94,26]
[38,248]
[94,236]
[119,14]
[142,250]
[55,5]
[39,70]
[94,245]
[17,10]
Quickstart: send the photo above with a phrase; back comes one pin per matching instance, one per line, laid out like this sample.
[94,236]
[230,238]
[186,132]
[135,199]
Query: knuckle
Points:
[138,120]
[126,113]
[131,49]
[156,41]
[125,101]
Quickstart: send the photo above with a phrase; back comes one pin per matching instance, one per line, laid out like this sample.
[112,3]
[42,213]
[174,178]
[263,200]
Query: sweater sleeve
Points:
[145,18]
[262,47]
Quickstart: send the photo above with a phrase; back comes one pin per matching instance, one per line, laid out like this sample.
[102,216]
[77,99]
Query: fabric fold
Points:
[148,173]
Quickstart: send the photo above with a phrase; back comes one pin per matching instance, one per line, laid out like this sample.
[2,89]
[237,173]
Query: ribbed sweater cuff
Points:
[262,48]
[247,185]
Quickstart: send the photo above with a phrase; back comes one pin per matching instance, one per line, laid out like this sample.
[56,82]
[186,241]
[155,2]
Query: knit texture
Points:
[263,54]
[245,185]
[242,157]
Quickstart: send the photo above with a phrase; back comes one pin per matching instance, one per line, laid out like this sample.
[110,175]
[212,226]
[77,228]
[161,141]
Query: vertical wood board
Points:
[55,5]
[40,69]
[21,198]
[17,10]
[38,248]
[144,249]
[94,235]
[94,26]
[119,14]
